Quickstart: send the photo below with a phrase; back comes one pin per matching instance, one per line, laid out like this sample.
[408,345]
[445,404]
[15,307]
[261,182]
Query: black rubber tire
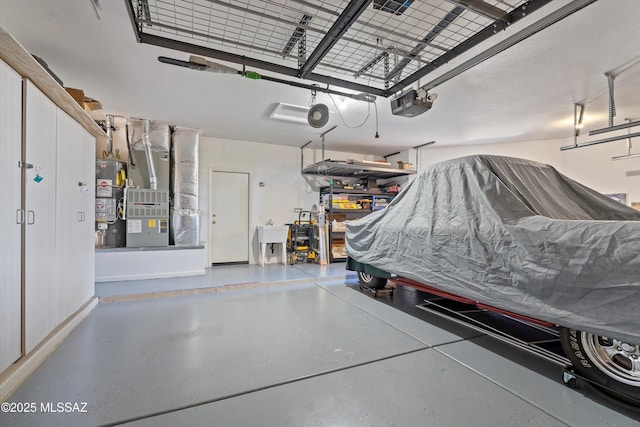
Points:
[577,348]
[367,281]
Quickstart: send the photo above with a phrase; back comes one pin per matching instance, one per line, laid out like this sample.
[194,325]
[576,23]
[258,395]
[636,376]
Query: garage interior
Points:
[240,118]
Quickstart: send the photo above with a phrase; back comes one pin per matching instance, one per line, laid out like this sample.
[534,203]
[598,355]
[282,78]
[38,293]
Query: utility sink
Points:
[273,234]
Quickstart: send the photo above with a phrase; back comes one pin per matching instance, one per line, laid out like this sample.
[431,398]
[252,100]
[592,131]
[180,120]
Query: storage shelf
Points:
[356,191]
[351,210]
[327,196]
[354,170]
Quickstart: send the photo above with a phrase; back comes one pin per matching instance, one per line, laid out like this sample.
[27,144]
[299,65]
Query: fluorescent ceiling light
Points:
[290,113]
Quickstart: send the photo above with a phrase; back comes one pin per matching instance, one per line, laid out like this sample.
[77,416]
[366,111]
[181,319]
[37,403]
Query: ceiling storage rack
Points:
[378,47]
[354,169]
[348,169]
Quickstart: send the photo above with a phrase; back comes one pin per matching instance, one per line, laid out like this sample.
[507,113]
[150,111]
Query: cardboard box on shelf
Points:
[403,165]
[92,104]
[77,95]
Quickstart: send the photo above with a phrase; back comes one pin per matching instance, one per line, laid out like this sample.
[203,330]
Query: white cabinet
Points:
[47,152]
[10,216]
[74,214]
[60,217]
[41,284]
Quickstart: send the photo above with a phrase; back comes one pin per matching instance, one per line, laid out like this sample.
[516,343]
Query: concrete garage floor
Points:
[314,353]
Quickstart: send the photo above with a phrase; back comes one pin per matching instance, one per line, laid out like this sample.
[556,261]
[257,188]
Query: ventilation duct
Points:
[153,181]
[185,214]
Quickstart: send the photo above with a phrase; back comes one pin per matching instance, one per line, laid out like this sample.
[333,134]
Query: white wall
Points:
[540,151]
[591,166]
[285,188]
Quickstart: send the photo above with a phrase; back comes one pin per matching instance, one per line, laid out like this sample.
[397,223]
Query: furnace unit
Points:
[147,218]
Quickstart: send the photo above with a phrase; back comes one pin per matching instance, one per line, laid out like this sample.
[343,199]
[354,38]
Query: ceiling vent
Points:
[290,113]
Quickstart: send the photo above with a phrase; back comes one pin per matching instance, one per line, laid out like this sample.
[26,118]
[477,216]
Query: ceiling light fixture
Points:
[578,116]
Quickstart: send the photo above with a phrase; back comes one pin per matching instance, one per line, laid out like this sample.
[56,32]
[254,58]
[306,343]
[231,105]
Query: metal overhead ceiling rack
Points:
[354,170]
[373,46]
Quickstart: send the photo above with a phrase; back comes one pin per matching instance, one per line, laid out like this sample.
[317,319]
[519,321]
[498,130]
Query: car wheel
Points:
[366,280]
[612,363]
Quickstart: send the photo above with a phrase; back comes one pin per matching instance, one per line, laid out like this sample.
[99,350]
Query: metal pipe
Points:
[617,127]
[109,134]
[240,59]
[124,202]
[600,141]
[626,156]
[153,181]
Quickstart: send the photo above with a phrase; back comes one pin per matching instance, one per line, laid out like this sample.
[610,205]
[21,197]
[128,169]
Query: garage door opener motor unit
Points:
[412,103]
[147,218]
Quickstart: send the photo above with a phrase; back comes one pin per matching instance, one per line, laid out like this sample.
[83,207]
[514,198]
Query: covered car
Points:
[519,236]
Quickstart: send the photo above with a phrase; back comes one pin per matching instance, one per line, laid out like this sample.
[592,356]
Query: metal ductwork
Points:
[153,180]
[185,214]
[109,134]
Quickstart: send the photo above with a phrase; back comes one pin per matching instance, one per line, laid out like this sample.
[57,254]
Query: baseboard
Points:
[15,375]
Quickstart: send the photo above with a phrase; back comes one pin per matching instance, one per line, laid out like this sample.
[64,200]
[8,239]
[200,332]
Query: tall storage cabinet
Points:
[11,215]
[59,216]
[75,216]
[47,152]
[41,284]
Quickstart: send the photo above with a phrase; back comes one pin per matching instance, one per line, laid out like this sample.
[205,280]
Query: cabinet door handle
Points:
[83,216]
[19,216]
[79,216]
[31,217]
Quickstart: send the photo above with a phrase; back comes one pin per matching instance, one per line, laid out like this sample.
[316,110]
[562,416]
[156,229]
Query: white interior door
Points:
[10,216]
[228,217]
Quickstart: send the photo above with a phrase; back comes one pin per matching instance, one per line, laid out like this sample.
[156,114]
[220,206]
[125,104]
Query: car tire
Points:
[367,281]
[611,363]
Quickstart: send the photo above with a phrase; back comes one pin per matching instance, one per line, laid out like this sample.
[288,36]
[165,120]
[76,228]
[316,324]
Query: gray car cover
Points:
[514,234]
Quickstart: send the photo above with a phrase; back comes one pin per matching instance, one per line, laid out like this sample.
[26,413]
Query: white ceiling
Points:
[522,94]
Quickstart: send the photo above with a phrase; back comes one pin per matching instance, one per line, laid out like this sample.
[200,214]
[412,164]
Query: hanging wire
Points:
[342,118]
[376,107]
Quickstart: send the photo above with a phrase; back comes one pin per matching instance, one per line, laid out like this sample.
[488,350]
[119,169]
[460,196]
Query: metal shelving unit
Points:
[348,214]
